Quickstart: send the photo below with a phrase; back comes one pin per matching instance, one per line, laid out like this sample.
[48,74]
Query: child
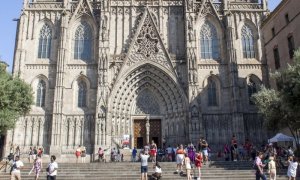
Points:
[198,163]
[188,166]
[272,168]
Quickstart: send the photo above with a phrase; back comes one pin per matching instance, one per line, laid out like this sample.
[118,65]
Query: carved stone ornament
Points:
[147,46]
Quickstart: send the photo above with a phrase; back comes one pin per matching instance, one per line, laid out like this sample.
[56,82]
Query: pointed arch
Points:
[81,94]
[83,42]
[248,41]
[253,84]
[41,93]
[209,41]
[212,85]
[45,39]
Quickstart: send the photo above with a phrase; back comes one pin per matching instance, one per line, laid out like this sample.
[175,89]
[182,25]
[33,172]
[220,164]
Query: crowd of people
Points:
[189,159]
[35,157]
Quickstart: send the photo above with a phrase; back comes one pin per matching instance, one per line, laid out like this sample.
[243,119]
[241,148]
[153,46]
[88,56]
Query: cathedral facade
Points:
[171,71]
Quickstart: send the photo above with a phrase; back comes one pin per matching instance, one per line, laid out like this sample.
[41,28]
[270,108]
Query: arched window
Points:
[248,42]
[82,94]
[212,93]
[83,42]
[252,89]
[45,42]
[209,42]
[41,94]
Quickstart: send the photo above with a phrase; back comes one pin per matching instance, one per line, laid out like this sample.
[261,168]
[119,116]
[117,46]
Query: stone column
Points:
[147,129]
[55,142]
[237,116]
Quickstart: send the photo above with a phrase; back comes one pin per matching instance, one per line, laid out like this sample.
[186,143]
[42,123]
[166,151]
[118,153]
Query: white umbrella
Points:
[279,137]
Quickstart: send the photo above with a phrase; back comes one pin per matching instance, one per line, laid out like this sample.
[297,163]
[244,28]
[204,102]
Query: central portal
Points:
[140,132]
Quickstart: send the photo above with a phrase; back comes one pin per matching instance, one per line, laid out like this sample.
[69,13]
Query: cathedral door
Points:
[140,135]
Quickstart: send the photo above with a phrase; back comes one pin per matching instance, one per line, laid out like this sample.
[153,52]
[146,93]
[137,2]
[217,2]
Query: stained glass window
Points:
[45,42]
[41,94]
[209,42]
[248,42]
[83,42]
[82,94]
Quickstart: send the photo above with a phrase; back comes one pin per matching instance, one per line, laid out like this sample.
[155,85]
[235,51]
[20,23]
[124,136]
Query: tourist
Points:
[191,152]
[153,151]
[180,158]
[37,166]
[114,154]
[31,154]
[226,152]
[272,168]
[52,169]
[40,152]
[83,154]
[169,153]
[290,151]
[133,155]
[100,154]
[157,172]
[204,145]
[78,153]
[147,148]
[188,166]
[18,151]
[292,169]
[259,167]
[144,165]
[198,163]
[233,148]
[15,169]
[34,153]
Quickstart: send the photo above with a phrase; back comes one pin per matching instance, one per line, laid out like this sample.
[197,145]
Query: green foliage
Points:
[282,108]
[15,99]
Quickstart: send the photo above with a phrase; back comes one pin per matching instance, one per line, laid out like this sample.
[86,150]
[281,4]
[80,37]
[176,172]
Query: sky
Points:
[11,9]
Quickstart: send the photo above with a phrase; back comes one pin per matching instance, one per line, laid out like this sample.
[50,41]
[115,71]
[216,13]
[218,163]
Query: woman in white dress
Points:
[292,169]
[188,166]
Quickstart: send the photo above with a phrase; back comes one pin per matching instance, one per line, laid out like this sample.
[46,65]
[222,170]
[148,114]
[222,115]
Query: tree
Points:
[282,108]
[16,98]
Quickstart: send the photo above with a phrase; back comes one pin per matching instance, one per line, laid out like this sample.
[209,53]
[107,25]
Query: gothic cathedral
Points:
[171,71]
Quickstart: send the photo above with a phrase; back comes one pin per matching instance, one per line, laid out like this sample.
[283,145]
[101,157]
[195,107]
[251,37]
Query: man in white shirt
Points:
[144,165]
[15,172]
[52,169]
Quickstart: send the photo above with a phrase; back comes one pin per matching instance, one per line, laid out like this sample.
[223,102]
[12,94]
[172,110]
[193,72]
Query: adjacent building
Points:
[169,71]
[281,31]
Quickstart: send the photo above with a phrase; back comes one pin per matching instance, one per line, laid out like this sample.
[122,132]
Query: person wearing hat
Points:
[272,168]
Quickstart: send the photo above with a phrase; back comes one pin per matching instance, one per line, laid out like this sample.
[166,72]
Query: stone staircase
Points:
[131,171]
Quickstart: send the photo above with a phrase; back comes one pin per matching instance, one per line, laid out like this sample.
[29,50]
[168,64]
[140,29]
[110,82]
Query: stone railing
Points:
[45,5]
[244,6]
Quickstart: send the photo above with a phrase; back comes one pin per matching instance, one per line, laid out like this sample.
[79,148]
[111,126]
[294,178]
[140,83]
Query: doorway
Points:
[140,138]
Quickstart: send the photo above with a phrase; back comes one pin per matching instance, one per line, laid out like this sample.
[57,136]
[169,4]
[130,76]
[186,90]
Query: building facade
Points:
[171,71]
[281,32]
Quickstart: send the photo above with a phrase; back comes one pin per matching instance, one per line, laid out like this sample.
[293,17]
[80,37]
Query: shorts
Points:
[205,153]
[51,177]
[144,169]
[179,158]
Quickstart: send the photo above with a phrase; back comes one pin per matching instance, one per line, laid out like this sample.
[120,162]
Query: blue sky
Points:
[11,9]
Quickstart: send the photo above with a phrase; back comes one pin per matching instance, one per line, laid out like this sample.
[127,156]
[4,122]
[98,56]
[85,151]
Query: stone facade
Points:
[145,62]
[281,32]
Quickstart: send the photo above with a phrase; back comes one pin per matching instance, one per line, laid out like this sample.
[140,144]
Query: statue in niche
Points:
[104,28]
[189,4]
[194,111]
[191,35]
